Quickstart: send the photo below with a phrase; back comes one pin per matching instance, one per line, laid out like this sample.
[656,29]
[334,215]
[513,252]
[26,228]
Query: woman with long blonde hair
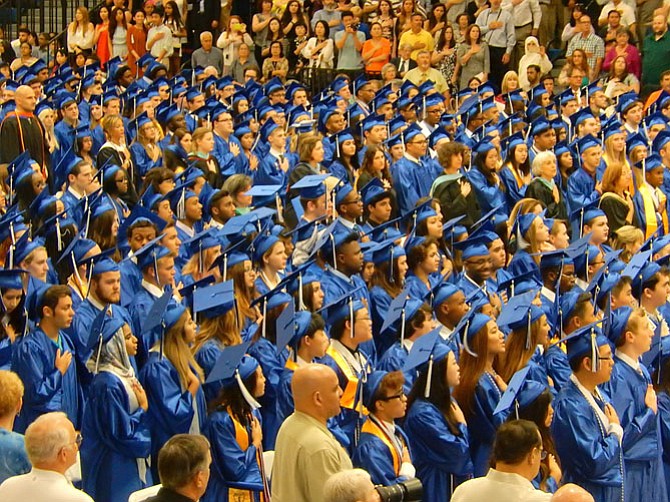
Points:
[173,381]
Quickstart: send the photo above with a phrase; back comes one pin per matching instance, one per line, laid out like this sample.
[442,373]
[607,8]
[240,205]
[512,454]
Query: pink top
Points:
[632,59]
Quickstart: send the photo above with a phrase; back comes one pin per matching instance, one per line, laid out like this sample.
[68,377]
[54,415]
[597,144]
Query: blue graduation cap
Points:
[215,300]
[344,307]
[520,393]
[585,341]
[468,327]
[520,313]
[11,279]
[232,368]
[618,322]
[427,351]
[103,329]
[402,309]
[311,187]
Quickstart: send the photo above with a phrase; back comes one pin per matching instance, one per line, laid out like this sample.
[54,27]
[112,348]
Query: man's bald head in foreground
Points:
[25,99]
[572,493]
[316,391]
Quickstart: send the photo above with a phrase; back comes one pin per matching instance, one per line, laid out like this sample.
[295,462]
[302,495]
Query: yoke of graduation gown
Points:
[482,425]
[442,458]
[590,457]
[626,390]
[45,389]
[114,438]
[234,458]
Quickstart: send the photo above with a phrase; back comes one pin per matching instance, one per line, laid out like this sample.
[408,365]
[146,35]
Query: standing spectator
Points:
[436,21]
[176,24]
[52,445]
[349,43]
[101,39]
[203,17]
[80,33]
[473,58]
[274,34]
[572,26]
[403,62]
[207,54]
[534,55]
[591,44]
[424,72]
[320,48]
[386,16]
[304,438]
[444,57]
[136,40]
[376,51]
[527,16]
[230,40]
[608,33]
[417,37]
[259,25]
[580,63]
[620,80]
[118,33]
[42,49]
[330,14]
[276,65]
[292,17]
[245,59]
[497,28]
[626,13]
[624,48]
[552,15]
[13,456]
[159,38]
[656,53]
[24,36]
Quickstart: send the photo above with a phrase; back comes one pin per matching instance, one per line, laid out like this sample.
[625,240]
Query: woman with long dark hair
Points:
[436,426]
[118,33]
[485,180]
[481,387]
[177,26]
[234,432]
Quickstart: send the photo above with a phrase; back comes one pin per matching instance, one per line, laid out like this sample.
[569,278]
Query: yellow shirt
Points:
[411,38]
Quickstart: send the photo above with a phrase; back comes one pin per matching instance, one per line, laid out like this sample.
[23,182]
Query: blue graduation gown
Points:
[269,172]
[581,189]
[234,458]
[206,357]
[6,348]
[664,417]
[394,360]
[141,160]
[131,281]
[441,457]
[644,478]
[406,179]
[227,163]
[272,362]
[558,366]
[488,197]
[65,134]
[172,410]
[380,301]
[376,455]
[522,262]
[45,389]
[482,425]
[513,192]
[114,438]
[417,288]
[72,206]
[590,457]
[285,404]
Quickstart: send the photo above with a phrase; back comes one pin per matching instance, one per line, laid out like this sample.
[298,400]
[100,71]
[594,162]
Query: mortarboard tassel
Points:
[265,313]
[594,352]
[516,408]
[528,331]
[245,392]
[301,303]
[391,276]
[466,344]
[429,377]
[59,236]
[402,326]
[225,266]
[351,316]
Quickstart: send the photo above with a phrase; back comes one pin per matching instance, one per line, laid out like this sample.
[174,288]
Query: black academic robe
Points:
[29,135]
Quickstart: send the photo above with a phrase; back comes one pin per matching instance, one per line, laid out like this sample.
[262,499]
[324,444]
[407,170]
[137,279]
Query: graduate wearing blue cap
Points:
[582,184]
[412,177]
[586,427]
[435,423]
[273,167]
[488,189]
[383,448]
[629,389]
[172,379]
[227,147]
[234,429]
[44,359]
[118,441]
[481,387]
[651,204]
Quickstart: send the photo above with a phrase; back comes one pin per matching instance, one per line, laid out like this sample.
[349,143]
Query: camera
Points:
[356,25]
[407,491]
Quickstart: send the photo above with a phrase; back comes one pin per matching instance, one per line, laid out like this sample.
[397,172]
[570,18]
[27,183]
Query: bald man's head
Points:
[25,99]
[316,391]
[572,493]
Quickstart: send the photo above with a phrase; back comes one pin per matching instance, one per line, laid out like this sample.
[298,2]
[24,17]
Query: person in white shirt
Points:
[159,38]
[52,445]
[627,13]
[518,452]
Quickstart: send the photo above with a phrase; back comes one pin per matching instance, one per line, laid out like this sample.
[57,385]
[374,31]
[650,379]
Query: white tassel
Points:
[351,316]
[594,352]
[245,392]
[59,236]
[225,266]
[429,377]
[402,327]
[301,302]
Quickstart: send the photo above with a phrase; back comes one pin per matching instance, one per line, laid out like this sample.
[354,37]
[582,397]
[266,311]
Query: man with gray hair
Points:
[52,445]
[353,485]
[207,54]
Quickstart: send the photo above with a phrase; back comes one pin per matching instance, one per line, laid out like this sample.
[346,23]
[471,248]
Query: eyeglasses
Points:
[400,395]
[77,440]
[543,453]
[418,142]
[355,201]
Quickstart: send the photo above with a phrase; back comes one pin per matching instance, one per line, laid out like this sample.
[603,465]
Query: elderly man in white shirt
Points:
[52,445]
[518,452]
